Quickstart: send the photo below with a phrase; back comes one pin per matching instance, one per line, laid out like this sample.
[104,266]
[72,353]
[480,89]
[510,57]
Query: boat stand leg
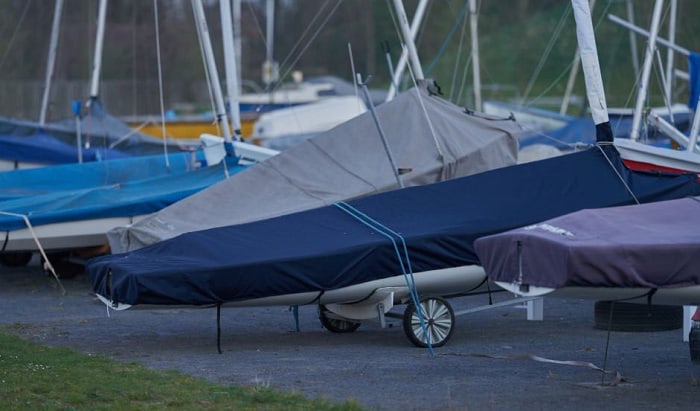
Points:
[382,318]
[535,310]
[688,311]
[218,328]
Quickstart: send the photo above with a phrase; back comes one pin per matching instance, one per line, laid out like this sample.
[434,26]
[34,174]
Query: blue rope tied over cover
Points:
[406,269]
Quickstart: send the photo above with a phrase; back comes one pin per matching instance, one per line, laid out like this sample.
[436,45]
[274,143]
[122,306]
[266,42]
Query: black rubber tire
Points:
[439,321]
[637,317]
[336,325]
[694,345]
[15,258]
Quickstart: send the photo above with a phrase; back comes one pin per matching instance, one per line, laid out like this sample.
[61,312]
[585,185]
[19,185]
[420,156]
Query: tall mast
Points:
[646,70]
[408,39]
[572,77]
[210,65]
[51,60]
[476,70]
[669,52]
[97,61]
[401,66]
[591,69]
[231,67]
[270,69]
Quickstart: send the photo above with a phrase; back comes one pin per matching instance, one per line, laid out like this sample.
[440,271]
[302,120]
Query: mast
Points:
[97,61]
[237,40]
[669,52]
[210,65]
[633,40]
[401,65]
[270,68]
[572,77]
[591,70]
[476,71]
[51,60]
[646,70]
[231,67]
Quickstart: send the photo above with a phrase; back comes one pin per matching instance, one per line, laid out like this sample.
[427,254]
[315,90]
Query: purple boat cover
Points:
[655,245]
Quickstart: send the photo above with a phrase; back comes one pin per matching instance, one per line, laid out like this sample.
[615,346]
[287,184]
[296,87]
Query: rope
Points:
[458,59]
[617,172]
[14,34]
[557,31]
[38,244]
[406,269]
[448,38]
[313,37]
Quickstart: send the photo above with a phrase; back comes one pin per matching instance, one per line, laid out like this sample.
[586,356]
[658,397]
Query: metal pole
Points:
[363,84]
[633,40]
[97,62]
[641,31]
[669,53]
[572,77]
[51,60]
[646,70]
[401,66]
[407,37]
[589,60]
[210,64]
[473,21]
[231,67]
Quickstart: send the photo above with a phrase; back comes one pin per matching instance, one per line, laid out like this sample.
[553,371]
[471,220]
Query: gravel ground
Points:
[376,366]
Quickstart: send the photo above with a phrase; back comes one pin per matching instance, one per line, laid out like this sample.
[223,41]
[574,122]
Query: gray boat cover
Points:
[655,245]
[430,140]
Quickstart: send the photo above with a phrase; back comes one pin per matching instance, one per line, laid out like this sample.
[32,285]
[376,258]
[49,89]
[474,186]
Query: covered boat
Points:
[648,251]
[73,205]
[428,138]
[345,244]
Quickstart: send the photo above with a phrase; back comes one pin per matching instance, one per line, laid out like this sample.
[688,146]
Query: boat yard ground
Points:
[485,365]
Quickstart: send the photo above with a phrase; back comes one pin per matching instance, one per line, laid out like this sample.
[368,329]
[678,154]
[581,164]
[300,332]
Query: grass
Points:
[37,377]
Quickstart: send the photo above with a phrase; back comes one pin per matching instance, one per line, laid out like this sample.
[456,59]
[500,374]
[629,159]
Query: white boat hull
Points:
[64,236]
[444,282]
[665,296]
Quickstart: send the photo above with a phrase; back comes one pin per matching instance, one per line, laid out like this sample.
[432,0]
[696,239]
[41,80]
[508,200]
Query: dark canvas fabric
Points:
[326,248]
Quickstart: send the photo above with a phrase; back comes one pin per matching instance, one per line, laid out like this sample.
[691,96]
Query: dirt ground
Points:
[483,367]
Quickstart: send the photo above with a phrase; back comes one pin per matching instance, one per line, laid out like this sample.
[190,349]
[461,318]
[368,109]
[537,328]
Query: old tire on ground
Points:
[15,258]
[637,317]
[694,345]
[438,318]
[336,325]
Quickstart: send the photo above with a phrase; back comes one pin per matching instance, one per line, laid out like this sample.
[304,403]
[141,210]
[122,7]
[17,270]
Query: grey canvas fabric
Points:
[346,162]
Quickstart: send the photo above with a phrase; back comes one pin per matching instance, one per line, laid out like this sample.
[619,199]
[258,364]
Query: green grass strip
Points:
[37,377]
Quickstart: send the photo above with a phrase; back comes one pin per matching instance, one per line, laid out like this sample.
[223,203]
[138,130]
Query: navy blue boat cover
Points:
[327,248]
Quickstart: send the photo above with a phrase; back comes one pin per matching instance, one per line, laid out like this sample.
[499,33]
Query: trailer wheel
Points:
[336,325]
[15,258]
[439,319]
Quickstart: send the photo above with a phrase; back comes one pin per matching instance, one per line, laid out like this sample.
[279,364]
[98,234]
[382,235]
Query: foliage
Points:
[523,54]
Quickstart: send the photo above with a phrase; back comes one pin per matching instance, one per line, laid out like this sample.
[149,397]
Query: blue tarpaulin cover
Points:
[327,248]
[694,71]
[45,149]
[117,188]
